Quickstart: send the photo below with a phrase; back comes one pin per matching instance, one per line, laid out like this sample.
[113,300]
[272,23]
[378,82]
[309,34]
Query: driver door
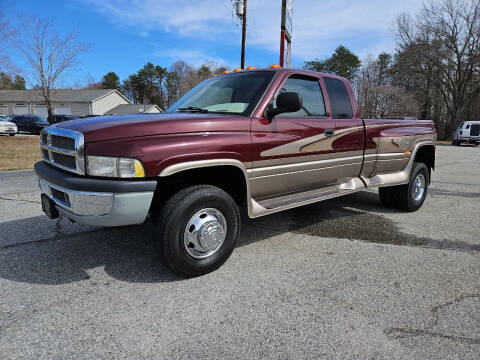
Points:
[292,153]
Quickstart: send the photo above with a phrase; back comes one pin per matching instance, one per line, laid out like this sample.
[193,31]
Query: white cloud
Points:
[192,57]
[318,27]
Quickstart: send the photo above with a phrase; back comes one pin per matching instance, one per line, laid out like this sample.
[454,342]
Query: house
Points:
[65,102]
[130,109]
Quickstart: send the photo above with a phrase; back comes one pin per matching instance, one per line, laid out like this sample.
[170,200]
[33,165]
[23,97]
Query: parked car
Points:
[32,124]
[263,140]
[467,132]
[54,119]
[7,127]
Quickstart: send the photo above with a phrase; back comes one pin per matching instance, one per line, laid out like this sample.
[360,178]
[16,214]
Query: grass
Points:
[19,153]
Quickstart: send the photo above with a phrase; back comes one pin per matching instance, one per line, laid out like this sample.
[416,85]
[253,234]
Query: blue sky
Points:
[128,33]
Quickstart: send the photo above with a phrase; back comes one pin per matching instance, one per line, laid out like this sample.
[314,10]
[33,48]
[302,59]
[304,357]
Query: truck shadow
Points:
[127,253]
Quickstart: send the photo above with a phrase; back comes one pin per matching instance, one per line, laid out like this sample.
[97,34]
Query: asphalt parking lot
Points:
[342,279]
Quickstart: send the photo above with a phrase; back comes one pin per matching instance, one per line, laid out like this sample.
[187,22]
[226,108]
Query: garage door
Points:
[20,110]
[40,111]
[3,110]
[63,110]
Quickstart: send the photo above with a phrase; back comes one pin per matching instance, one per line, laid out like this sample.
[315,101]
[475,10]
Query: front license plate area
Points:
[48,207]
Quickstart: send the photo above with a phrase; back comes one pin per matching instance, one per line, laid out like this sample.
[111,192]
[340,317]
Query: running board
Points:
[270,206]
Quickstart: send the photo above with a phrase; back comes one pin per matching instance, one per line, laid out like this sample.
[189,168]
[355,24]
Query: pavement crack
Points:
[58,236]
[399,332]
[19,200]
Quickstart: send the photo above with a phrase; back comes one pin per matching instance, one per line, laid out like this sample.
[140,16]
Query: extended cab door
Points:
[283,159]
[348,140]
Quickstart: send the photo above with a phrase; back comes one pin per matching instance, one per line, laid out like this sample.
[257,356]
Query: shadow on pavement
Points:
[127,253]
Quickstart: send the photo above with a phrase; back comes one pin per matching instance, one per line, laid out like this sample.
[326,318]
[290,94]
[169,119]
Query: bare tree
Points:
[6,33]
[377,95]
[445,38]
[48,56]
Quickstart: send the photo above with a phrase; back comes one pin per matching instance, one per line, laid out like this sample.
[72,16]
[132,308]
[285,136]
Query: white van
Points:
[467,132]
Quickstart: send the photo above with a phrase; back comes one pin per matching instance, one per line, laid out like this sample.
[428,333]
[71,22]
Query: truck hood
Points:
[103,128]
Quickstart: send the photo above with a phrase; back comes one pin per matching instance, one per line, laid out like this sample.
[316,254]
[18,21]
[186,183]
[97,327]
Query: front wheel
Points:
[410,197]
[197,229]
[11,134]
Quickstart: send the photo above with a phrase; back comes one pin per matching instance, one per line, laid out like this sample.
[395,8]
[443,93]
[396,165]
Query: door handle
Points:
[329,132]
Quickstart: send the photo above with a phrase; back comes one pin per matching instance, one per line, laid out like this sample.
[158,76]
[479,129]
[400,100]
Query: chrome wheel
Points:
[419,187]
[205,233]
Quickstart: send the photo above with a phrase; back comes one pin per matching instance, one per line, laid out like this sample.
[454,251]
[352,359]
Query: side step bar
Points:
[270,206]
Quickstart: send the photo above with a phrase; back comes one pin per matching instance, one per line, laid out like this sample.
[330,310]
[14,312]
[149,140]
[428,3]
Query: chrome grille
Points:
[63,142]
[63,148]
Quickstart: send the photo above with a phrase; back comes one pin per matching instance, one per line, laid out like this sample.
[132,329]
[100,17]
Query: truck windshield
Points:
[236,93]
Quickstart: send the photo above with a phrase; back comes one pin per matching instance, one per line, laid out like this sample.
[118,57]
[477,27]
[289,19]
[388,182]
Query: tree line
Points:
[434,73]
[155,84]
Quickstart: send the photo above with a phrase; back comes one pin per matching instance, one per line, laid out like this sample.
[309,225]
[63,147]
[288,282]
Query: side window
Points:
[467,127]
[339,99]
[311,93]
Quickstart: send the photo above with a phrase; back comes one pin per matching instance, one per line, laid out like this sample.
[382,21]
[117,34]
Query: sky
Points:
[128,33]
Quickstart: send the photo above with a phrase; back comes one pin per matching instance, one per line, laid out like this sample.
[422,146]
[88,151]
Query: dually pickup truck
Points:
[263,140]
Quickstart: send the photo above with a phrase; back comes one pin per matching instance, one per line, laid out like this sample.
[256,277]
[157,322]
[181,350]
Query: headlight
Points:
[114,167]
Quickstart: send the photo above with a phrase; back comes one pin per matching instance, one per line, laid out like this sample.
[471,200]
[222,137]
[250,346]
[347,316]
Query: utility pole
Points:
[244,32]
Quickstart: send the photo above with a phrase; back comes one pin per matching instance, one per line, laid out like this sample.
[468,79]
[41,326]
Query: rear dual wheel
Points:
[409,197]
[197,229]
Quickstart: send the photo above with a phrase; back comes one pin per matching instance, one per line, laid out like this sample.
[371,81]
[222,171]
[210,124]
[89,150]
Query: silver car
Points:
[7,127]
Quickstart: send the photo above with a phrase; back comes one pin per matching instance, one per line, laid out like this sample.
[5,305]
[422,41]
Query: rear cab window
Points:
[340,104]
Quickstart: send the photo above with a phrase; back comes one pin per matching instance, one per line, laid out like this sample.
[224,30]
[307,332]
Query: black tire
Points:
[405,195]
[170,229]
[386,195]
[11,134]
[458,143]
[454,142]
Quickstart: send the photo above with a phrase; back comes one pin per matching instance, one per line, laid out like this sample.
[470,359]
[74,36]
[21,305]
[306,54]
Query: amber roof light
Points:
[275,66]
[251,67]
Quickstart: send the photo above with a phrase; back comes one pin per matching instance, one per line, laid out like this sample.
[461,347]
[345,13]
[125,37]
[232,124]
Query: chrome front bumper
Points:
[93,201]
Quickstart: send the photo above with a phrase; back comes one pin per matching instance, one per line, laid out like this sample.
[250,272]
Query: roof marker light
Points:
[237,69]
[275,66]
[251,67]
[226,72]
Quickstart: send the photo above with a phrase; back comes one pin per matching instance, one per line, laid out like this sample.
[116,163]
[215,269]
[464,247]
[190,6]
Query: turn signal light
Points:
[251,67]
[275,66]
[237,69]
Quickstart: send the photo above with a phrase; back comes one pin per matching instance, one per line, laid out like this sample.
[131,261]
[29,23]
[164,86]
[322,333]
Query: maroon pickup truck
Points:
[264,140]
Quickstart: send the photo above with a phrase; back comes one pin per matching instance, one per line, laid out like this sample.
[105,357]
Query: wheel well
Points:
[229,178]
[426,155]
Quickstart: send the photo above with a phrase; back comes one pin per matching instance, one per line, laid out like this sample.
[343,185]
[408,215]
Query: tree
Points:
[6,82]
[18,83]
[110,81]
[342,63]
[48,56]
[6,33]
[444,44]
[377,94]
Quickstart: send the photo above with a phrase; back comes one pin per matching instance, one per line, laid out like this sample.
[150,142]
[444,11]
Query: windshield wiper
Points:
[193,109]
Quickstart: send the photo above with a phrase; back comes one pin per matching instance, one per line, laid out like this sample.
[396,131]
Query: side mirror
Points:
[286,102]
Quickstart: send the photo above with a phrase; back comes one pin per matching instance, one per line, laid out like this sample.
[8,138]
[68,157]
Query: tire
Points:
[458,143]
[386,195]
[184,217]
[11,134]
[454,142]
[410,197]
